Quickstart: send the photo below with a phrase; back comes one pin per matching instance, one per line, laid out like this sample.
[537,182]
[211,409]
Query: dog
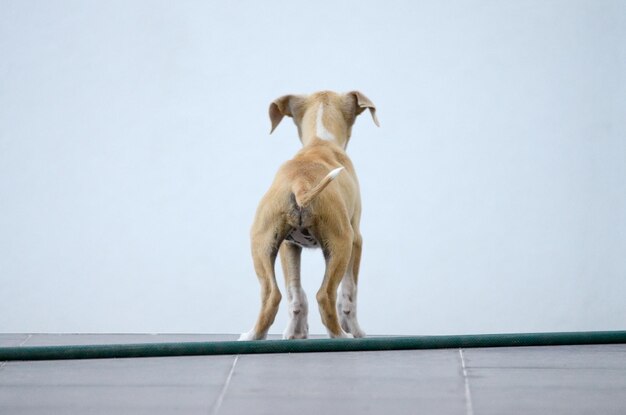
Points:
[314,202]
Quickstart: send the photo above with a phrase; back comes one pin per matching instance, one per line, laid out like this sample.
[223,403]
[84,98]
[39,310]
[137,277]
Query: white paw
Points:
[293,336]
[298,328]
[342,335]
[358,333]
[350,324]
[290,334]
[246,336]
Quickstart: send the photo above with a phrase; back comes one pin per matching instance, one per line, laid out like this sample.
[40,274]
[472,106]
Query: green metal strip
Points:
[99,351]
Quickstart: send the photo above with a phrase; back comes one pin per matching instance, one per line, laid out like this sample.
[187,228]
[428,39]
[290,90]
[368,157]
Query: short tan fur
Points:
[314,201]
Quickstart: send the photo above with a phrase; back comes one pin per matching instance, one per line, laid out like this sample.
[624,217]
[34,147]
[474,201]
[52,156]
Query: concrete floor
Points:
[526,380]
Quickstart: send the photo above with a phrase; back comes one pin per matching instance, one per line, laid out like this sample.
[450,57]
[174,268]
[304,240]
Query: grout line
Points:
[220,398]
[469,408]
[3,364]
[25,340]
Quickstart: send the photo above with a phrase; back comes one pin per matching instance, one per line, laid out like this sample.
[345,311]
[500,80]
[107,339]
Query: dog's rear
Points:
[313,202]
[303,194]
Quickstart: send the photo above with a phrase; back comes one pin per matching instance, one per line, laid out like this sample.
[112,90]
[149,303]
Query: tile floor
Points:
[525,380]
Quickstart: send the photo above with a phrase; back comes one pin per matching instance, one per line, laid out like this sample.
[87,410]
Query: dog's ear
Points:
[363,103]
[286,105]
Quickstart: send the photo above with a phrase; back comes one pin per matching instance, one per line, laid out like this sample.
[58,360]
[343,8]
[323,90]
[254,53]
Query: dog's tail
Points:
[303,198]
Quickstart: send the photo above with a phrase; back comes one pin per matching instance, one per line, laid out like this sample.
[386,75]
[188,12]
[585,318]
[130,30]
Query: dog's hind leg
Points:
[346,305]
[298,326]
[337,260]
[265,244]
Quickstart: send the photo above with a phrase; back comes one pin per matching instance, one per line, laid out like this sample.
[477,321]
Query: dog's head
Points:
[326,115]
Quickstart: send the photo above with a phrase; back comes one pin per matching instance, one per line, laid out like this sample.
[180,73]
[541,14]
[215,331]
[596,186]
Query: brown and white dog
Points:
[313,202]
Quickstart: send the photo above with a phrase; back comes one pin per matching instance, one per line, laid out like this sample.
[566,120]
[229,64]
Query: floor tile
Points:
[12,340]
[360,382]
[556,380]
[163,385]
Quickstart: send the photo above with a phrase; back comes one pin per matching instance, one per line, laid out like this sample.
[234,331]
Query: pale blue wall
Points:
[134,148]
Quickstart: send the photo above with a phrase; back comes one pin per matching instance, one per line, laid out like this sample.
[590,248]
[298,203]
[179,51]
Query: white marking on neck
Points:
[322,132]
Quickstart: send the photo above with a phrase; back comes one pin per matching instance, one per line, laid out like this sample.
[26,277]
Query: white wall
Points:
[134,149]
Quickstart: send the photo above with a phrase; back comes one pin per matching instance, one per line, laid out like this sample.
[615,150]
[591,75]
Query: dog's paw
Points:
[358,333]
[297,329]
[246,336]
[294,335]
[350,325]
[342,335]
